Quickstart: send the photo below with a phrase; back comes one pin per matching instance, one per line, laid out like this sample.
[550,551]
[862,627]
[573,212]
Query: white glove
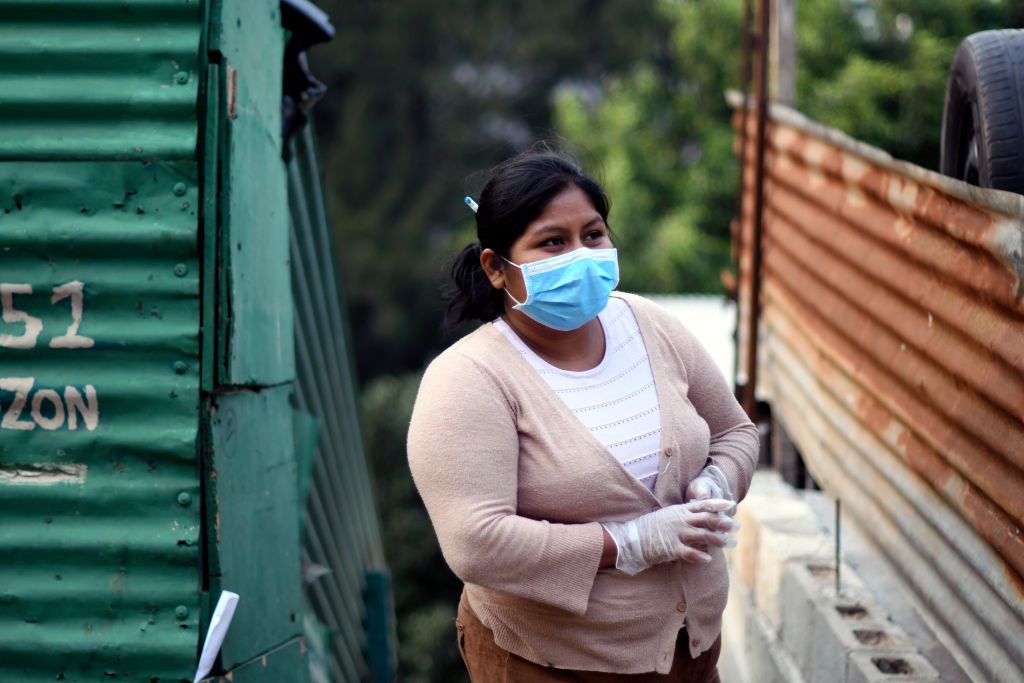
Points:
[710,483]
[677,532]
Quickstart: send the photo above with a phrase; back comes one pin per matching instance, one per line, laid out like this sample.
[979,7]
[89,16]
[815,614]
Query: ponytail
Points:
[471,296]
[518,191]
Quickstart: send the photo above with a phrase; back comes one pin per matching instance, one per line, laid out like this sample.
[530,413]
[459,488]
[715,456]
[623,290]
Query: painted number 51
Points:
[33,325]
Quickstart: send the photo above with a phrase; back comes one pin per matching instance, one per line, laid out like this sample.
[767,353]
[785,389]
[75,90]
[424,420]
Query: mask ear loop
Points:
[518,302]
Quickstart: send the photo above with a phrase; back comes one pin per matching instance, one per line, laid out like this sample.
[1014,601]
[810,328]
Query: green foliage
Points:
[661,132]
[426,592]
[422,95]
[661,144]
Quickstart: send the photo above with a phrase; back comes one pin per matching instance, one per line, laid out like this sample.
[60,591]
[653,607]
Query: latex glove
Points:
[677,532]
[710,483]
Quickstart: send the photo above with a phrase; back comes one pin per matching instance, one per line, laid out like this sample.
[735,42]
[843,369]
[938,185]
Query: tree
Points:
[421,96]
[661,132]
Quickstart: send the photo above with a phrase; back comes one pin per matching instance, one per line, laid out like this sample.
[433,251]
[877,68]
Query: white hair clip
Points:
[471,204]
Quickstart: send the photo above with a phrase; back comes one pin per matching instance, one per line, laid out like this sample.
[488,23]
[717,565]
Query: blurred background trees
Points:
[425,96]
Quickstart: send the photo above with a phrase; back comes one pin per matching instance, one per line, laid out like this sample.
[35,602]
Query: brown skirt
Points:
[489,663]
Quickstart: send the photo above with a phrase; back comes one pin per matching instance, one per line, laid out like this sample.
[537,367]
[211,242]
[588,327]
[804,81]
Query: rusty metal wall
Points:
[890,348]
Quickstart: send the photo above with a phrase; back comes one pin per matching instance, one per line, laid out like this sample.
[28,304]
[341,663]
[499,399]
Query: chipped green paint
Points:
[255,540]
[256,343]
[151,452]
[100,533]
[99,199]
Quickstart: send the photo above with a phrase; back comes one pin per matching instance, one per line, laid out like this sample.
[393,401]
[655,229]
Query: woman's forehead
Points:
[570,208]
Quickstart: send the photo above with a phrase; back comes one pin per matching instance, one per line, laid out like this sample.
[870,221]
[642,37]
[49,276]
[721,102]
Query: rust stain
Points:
[961,450]
[232,87]
[930,389]
[874,416]
[942,225]
[892,314]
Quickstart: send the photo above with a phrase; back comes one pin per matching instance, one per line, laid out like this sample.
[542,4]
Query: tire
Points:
[983,117]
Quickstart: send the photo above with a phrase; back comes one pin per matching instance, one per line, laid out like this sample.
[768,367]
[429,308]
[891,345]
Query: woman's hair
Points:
[518,191]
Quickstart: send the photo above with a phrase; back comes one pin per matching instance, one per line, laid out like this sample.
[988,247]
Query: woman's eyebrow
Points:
[551,228]
[557,227]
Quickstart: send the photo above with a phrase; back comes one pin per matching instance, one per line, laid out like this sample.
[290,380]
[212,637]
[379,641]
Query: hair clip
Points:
[471,204]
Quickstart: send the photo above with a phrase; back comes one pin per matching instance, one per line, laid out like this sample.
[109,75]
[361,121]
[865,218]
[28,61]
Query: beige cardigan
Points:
[515,486]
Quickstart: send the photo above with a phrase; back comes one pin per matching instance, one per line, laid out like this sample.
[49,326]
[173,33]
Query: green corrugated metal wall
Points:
[251,485]
[99,483]
[99,79]
[341,523]
[164,451]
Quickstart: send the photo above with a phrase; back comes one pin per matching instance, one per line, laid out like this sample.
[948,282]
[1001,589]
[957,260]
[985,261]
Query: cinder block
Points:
[733,666]
[785,620]
[821,631]
[769,503]
[796,630]
[883,666]
[766,661]
[776,549]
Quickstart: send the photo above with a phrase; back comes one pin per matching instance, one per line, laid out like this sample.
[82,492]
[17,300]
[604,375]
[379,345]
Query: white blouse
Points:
[616,400]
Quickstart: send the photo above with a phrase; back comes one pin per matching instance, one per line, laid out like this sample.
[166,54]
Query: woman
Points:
[577,453]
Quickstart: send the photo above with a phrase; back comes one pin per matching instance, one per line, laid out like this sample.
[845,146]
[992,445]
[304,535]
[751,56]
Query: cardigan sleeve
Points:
[734,440]
[463,449]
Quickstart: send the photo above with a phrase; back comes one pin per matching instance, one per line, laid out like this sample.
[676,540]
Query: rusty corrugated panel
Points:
[99,340]
[890,348]
[99,79]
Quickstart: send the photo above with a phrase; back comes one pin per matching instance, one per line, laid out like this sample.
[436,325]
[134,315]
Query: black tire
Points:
[983,119]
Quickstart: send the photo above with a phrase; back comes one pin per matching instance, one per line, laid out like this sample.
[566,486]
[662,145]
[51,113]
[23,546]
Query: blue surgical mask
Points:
[567,291]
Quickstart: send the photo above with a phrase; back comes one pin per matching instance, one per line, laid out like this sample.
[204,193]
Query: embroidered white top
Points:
[616,400]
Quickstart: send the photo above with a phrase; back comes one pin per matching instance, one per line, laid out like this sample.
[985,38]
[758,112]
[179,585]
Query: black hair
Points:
[519,189]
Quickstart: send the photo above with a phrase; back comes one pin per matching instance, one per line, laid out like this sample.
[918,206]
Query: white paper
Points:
[219,623]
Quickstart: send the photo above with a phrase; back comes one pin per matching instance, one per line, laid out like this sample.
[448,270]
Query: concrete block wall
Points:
[785,621]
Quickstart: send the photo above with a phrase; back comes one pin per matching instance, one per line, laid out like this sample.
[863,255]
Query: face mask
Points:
[567,291]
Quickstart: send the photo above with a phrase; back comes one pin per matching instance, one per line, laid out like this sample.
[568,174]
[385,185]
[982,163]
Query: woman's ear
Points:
[493,268]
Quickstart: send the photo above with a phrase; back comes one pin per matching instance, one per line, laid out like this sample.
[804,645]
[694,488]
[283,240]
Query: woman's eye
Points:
[595,235]
[552,242]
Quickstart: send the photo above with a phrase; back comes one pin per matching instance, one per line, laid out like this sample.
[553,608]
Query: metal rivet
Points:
[181,77]
[184,499]
[180,367]
[181,612]
[180,270]
[180,189]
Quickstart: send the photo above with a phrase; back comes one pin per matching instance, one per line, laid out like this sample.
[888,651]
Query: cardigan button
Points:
[695,642]
[681,607]
[668,452]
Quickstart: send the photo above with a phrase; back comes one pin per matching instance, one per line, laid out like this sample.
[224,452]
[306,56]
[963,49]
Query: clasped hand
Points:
[676,532]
